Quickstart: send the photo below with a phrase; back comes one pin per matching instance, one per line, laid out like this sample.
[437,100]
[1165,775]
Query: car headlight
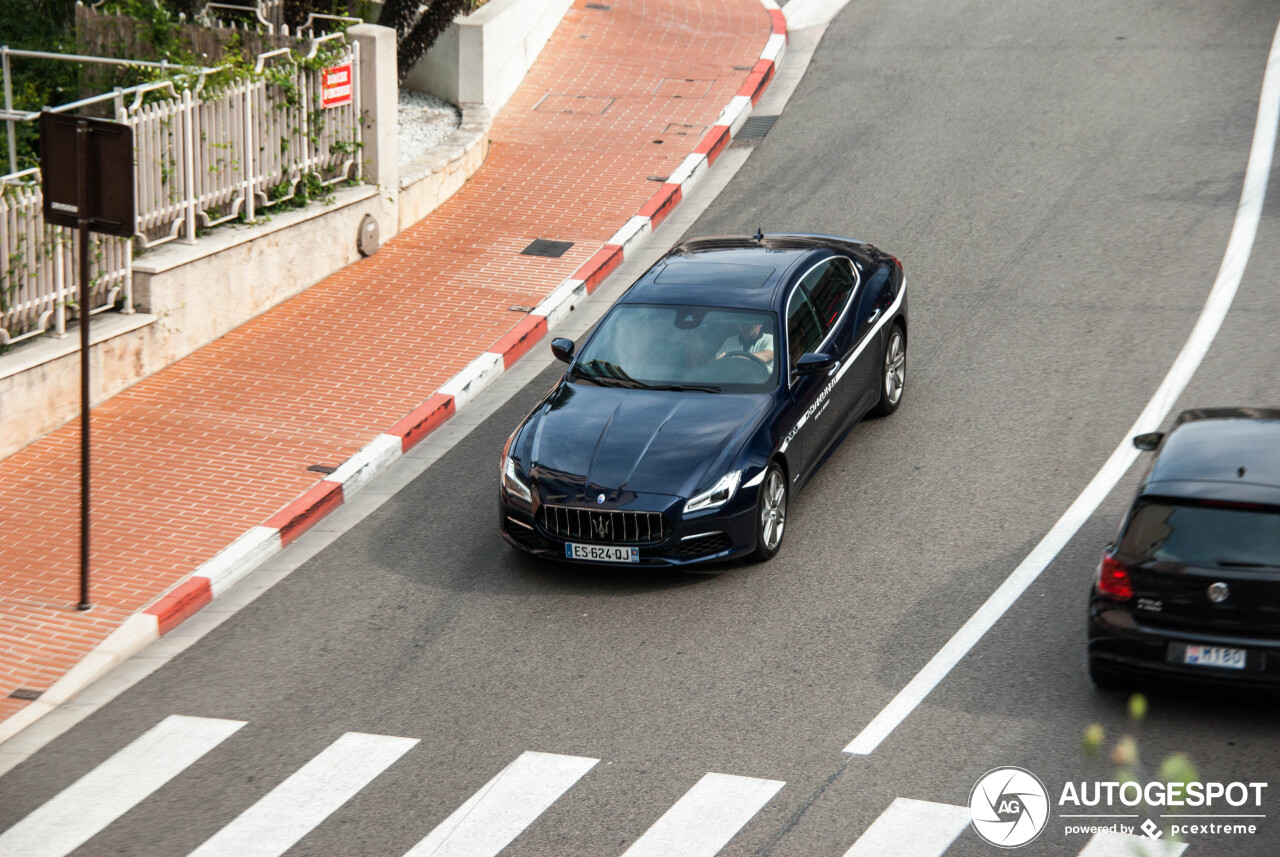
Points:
[511,481]
[717,495]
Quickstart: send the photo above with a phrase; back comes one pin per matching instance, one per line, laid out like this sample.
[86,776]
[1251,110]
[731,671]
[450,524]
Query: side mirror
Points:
[1148,441]
[814,363]
[562,349]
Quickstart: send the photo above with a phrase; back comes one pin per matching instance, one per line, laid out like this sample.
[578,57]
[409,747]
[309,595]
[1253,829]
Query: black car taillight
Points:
[1113,579]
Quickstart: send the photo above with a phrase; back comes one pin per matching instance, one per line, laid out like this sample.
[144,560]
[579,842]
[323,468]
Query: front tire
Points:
[771,513]
[893,372]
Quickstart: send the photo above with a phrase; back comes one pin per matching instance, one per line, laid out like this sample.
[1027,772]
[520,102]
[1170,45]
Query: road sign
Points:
[335,86]
[108,169]
[86,171]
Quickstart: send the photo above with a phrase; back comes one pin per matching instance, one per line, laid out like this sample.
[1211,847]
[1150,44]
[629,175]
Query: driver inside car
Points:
[751,339]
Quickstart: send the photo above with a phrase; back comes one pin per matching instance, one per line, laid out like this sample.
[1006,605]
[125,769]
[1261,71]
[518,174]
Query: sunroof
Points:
[715,274]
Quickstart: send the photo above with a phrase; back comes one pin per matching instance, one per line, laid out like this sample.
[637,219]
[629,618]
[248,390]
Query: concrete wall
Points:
[484,56]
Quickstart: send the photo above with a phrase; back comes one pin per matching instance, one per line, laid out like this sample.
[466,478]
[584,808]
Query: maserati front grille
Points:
[608,526]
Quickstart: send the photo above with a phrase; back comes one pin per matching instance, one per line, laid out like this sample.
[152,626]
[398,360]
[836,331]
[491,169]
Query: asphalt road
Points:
[1060,181]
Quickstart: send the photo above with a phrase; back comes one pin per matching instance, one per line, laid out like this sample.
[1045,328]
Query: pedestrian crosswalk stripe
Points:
[706,818]
[911,828]
[81,810]
[1108,844]
[310,795]
[504,806]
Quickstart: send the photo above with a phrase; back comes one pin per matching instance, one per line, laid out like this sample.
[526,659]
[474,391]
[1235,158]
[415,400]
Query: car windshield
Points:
[693,348]
[1226,535]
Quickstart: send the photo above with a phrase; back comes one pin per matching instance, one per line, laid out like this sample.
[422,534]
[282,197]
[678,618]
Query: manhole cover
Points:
[683,87]
[543,247]
[680,129]
[552,103]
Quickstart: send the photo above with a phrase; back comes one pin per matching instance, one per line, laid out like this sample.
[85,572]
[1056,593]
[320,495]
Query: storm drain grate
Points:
[322,468]
[549,249]
[754,130]
[600,6]
[25,693]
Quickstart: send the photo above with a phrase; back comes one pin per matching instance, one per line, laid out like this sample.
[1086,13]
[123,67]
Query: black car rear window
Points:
[1203,534]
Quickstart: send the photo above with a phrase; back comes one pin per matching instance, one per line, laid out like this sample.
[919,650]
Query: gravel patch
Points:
[424,121]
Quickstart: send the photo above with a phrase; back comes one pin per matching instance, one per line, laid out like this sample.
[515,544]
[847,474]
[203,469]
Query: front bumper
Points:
[716,535]
[1123,643]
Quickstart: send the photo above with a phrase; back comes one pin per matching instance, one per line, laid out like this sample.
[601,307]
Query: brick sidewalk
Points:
[210,447]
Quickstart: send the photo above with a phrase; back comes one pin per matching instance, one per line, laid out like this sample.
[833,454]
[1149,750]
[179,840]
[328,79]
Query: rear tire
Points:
[893,372]
[771,513]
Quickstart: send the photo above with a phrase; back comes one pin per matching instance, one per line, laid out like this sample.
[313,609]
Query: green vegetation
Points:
[38,25]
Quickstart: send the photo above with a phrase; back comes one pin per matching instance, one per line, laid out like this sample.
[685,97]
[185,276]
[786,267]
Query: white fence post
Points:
[189,164]
[246,158]
[59,282]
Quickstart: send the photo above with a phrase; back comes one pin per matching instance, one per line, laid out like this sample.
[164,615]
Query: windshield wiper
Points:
[612,375]
[1230,563]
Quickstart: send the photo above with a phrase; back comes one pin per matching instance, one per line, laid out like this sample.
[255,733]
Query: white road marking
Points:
[310,795]
[504,806]
[911,828]
[706,818]
[84,808]
[1109,844]
[1248,214]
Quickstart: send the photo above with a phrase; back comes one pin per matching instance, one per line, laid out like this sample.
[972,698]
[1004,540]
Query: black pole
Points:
[82,158]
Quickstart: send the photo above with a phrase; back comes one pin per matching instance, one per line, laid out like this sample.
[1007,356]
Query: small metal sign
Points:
[108,169]
[335,86]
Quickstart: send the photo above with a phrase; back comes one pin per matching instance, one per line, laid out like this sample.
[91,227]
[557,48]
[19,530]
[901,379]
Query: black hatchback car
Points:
[1191,586]
[707,395]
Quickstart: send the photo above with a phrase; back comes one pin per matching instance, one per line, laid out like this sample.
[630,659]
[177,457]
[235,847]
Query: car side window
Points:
[830,284]
[804,330]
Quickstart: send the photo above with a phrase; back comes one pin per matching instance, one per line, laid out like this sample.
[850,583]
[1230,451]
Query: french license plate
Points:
[1215,656]
[601,553]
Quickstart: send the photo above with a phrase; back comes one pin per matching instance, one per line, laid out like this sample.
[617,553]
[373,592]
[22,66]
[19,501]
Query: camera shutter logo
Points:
[1008,807]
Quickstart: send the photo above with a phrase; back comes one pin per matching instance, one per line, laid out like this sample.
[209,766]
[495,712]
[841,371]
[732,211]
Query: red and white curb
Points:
[260,543]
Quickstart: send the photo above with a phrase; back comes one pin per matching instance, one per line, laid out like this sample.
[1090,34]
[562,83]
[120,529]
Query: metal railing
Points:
[38,264]
[204,156]
[207,158]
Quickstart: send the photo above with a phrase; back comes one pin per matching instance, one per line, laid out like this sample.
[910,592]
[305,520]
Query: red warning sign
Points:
[335,86]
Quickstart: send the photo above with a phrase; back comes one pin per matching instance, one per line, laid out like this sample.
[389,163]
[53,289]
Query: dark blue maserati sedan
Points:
[709,393]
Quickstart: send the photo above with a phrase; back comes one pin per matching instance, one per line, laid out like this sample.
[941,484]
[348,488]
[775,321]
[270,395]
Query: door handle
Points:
[835,367]
[873,316]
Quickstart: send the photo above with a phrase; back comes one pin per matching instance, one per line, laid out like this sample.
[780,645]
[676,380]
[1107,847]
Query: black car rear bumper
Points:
[1123,644]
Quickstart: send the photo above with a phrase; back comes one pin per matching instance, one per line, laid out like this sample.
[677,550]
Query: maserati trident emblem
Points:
[601,526]
[1218,592]
[599,499]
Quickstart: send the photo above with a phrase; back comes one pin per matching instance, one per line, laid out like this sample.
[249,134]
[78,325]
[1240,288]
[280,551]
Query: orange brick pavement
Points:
[194,456]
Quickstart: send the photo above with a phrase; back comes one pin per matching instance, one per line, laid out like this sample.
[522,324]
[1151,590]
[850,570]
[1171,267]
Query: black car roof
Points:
[736,271]
[1221,454]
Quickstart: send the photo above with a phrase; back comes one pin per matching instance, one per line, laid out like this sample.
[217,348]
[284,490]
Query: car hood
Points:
[619,441]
